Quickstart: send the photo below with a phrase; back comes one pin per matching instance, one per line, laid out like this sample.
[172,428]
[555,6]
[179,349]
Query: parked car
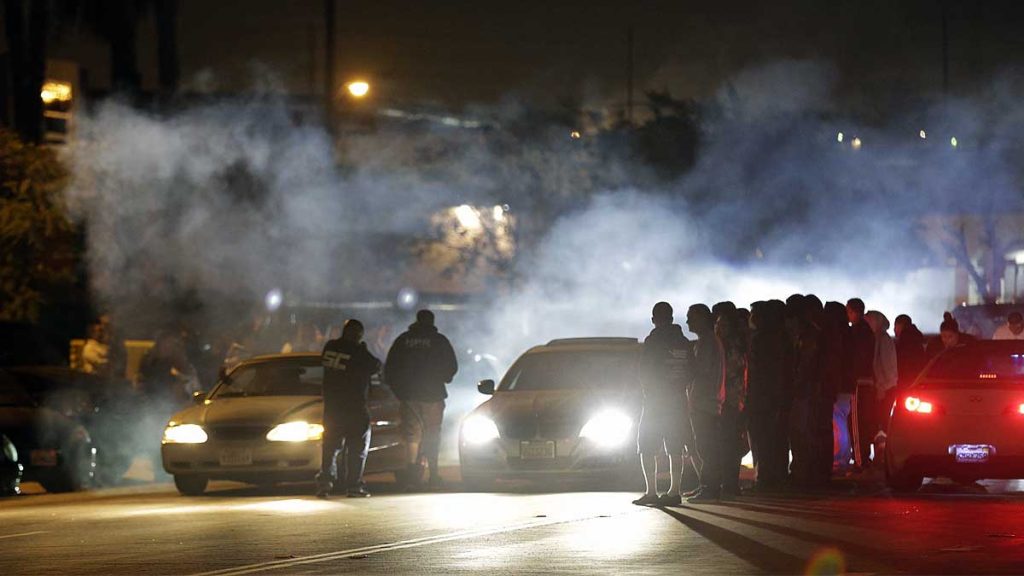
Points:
[263,422]
[54,450]
[963,418]
[10,468]
[568,409]
[107,408]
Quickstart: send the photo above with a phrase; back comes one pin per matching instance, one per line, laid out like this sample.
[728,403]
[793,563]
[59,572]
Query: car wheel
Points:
[901,481]
[78,471]
[190,485]
[478,483]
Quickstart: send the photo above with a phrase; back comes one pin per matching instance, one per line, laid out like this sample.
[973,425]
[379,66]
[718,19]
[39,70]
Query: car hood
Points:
[555,405]
[260,410]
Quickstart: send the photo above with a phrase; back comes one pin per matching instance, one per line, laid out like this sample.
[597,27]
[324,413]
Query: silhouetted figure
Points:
[707,394]
[664,374]
[419,365]
[769,367]
[886,375]
[862,366]
[910,355]
[804,436]
[1012,330]
[734,358]
[836,393]
[348,367]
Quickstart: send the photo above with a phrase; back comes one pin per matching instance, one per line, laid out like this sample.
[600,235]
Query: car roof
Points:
[584,344]
[275,357]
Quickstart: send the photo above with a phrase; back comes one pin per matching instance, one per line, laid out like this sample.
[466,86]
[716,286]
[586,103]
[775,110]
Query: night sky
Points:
[461,52]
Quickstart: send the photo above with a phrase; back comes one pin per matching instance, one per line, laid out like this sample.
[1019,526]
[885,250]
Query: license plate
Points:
[236,457]
[537,450]
[43,458]
[972,453]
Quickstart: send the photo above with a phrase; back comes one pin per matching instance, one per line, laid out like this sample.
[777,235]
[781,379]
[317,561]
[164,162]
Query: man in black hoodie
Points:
[664,372]
[861,350]
[348,367]
[419,365]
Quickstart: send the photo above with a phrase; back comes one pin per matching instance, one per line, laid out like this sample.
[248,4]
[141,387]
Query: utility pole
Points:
[329,49]
[943,4]
[629,74]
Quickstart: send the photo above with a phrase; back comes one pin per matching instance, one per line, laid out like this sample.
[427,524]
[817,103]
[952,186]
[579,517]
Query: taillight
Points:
[915,404]
[1020,409]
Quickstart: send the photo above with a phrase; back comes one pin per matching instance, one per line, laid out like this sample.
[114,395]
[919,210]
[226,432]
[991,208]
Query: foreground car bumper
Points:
[573,459]
[243,461]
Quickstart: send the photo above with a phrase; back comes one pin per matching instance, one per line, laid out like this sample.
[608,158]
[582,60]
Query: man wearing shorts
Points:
[664,368]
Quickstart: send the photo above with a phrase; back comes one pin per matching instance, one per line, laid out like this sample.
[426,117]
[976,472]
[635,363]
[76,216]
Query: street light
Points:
[358,88]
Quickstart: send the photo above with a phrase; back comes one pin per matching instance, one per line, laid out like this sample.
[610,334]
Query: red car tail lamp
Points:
[915,404]
[1020,409]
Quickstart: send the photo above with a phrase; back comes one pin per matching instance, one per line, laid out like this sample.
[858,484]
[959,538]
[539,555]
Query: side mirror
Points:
[198,397]
[486,387]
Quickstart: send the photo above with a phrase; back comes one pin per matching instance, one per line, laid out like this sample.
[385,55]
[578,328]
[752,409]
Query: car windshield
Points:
[568,370]
[981,361]
[275,378]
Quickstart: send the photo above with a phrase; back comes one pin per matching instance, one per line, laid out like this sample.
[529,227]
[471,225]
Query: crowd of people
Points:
[805,386]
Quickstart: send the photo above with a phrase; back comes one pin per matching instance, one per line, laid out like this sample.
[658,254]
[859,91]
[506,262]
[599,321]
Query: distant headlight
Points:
[479,429]
[608,429]
[184,434]
[298,431]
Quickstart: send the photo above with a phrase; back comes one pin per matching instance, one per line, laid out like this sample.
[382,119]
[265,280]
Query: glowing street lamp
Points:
[358,88]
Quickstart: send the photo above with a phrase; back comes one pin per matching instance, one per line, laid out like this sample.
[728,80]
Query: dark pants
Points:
[349,434]
[764,440]
[707,433]
[823,440]
[801,441]
[421,424]
[731,452]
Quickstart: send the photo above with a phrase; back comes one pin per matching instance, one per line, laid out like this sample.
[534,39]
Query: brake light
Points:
[915,404]
[1020,409]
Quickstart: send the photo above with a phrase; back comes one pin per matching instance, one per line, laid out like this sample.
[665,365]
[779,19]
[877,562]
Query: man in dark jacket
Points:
[420,364]
[348,367]
[664,373]
[861,352]
[707,394]
[910,355]
[769,367]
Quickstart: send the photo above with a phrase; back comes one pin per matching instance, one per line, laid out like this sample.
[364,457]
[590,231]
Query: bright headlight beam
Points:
[609,428]
[479,429]
[184,434]
[297,431]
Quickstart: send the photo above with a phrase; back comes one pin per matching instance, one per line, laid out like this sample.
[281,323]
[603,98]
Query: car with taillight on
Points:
[963,418]
[567,409]
[263,423]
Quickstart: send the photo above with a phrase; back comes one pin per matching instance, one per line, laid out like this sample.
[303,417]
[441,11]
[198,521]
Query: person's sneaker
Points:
[323,494]
[647,500]
[358,493]
[703,497]
[670,500]
[689,493]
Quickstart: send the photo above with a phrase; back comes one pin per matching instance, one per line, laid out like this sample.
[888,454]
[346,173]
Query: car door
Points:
[387,450]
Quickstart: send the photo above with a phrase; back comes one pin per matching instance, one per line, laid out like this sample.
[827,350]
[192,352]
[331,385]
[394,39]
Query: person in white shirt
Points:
[1012,330]
[96,352]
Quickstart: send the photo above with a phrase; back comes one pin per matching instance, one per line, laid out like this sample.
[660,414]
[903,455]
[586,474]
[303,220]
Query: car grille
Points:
[231,433]
[529,428]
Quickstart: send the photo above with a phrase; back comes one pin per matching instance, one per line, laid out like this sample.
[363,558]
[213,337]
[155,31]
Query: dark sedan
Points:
[54,449]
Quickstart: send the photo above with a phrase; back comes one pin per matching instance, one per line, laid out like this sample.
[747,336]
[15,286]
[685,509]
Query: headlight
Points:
[608,429]
[298,431]
[184,434]
[479,429]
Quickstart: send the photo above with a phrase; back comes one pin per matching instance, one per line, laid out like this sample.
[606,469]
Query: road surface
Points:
[860,528]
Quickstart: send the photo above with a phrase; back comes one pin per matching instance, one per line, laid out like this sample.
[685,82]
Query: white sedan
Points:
[963,418]
[263,423]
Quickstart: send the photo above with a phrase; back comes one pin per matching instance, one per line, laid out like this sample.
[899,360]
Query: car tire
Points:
[190,484]
[78,471]
[475,483]
[901,481]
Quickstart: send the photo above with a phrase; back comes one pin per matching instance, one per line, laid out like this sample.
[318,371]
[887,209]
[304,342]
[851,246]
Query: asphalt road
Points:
[149,529]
